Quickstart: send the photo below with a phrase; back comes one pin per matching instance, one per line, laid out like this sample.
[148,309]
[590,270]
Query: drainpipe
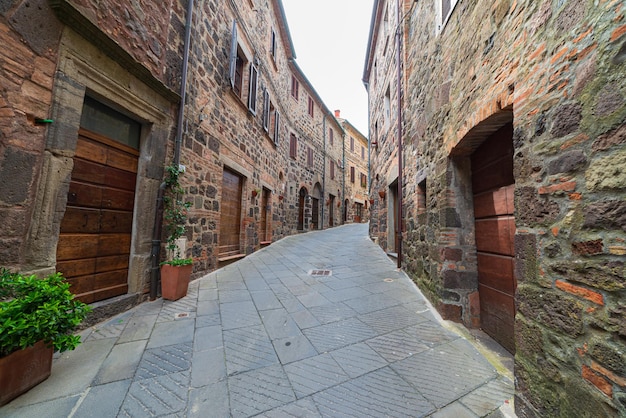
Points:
[324,169]
[344,210]
[399,134]
[155,253]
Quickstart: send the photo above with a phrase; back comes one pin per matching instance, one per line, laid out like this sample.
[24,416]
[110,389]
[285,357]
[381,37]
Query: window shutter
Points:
[233,54]
[254,75]
[266,110]
[276,127]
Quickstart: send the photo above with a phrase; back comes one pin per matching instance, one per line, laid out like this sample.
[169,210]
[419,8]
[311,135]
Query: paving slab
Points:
[266,337]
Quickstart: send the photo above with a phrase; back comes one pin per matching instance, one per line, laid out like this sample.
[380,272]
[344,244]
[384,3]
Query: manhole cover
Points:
[388,280]
[320,273]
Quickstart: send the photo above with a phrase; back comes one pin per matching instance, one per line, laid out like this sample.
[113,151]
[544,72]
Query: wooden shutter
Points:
[233,54]
[266,110]
[276,127]
[252,88]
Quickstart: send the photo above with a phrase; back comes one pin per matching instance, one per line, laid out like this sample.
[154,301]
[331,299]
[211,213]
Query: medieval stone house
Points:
[502,122]
[95,101]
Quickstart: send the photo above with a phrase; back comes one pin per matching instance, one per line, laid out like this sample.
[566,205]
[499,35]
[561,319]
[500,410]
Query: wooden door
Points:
[95,234]
[331,211]
[265,212]
[301,199]
[230,217]
[315,213]
[493,188]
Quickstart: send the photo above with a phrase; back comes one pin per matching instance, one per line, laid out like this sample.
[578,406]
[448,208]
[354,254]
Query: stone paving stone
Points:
[371,303]
[396,345]
[121,362]
[61,407]
[171,332]
[92,406]
[258,391]
[239,314]
[381,393]
[314,374]
[279,324]
[265,300]
[110,329]
[391,319]
[346,294]
[456,410]
[230,296]
[332,312]
[338,334]
[208,307]
[139,327]
[161,395]
[164,360]
[489,397]
[336,283]
[208,320]
[358,359]
[444,374]
[231,285]
[207,338]
[208,367]
[255,283]
[293,348]
[207,294]
[209,401]
[305,319]
[248,348]
[171,309]
[431,333]
[300,409]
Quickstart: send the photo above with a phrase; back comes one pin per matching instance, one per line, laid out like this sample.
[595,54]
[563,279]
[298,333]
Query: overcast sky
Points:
[330,39]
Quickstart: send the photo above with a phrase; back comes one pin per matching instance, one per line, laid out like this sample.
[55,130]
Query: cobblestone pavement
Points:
[316,325]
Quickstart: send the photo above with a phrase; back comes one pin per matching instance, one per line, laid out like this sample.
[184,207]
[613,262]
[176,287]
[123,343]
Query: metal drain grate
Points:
[320,273]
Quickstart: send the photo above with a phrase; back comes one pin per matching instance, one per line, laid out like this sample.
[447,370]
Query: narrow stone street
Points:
[315,325]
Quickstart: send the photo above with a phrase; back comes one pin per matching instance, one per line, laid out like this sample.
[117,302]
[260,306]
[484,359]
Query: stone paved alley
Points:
[268,337]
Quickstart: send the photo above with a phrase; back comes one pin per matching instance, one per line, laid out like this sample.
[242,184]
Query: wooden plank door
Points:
[230,217]
[493,188]
[301,197]
[315,213]
[95,234]
[265,212]
[331,211]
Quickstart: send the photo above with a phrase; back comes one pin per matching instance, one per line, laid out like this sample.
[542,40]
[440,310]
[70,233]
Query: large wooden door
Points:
[265,212]
[230,217]
[315,213]
[493,188]
[95,235]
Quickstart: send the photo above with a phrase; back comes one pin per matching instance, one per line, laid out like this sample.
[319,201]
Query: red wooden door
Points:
[95,234]
[493,188]
[230,217]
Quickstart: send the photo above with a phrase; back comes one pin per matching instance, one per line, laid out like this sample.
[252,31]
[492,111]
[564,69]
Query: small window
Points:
[254,76]
[295,87]
[362,152]
[387,109]
[331,138]
[311,106]
[266,110]
[293,146]
[421,197]
[103,120]
[351,174]
[276,126]
[363,180]
[273,45]
[351,144]
[309,157]
[445,8]
[332,170]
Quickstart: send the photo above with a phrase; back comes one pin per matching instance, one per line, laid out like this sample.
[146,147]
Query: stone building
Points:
[356,153]
[512,175]
[90,114]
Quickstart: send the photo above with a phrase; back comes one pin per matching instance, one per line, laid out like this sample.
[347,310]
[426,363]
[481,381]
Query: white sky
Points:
[330,40]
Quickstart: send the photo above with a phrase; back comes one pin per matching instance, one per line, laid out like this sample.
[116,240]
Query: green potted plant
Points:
[176,270]
[37,317]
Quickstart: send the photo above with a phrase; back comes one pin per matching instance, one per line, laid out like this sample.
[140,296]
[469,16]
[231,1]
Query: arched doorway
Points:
[315,207]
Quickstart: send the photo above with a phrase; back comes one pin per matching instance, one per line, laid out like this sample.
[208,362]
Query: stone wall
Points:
[556,70]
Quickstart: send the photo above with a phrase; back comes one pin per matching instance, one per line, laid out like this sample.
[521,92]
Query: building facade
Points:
[510,159]
[96,101]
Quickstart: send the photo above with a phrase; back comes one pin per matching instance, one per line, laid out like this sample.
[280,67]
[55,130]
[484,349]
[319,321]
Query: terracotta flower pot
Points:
[175,281]
[382,194]
[24,369]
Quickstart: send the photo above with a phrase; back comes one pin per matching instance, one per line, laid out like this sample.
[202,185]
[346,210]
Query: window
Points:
[351,174]
[362,152]
[331,136]
[295,87]
[311,106]
[254,76]
[266,110]
[293,146]
[309,157]
[332,170]
[363,180]
[421,197]
[273,45]
[445,8]
[351,144]
[276,126]
[387,109]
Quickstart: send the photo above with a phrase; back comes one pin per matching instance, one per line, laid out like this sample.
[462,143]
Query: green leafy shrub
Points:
[33,309]
[175,213]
